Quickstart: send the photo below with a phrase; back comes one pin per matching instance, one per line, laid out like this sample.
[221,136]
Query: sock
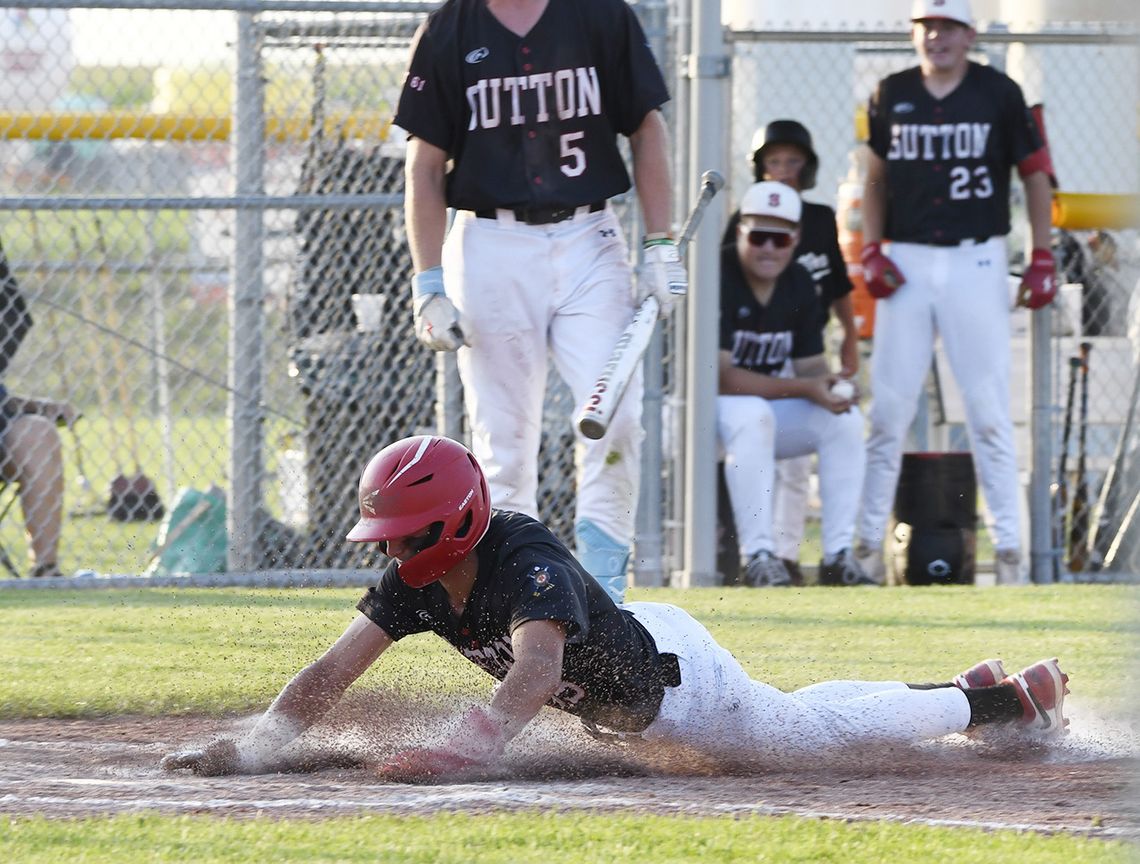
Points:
[994,704]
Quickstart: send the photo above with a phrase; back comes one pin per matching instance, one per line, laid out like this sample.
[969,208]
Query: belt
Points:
[961,241]
[541,215]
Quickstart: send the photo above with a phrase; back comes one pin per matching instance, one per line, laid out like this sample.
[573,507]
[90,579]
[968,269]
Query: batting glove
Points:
[1039,282]
[662,275]
[479,741]
[435,317]
[880,274]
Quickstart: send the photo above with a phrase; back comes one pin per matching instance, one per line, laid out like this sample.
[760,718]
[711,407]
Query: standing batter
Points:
[944,136]
[503,591]
[776,399]
[783,151]
[513,108]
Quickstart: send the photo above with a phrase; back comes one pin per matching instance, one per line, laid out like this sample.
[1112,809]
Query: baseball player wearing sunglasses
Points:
[769,320]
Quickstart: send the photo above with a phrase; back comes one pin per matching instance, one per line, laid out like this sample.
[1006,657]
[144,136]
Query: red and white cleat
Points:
[1041,688]
[988,673]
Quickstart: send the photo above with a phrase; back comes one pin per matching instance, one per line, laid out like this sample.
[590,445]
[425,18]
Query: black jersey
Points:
[763,338]
[949,159]
[531,121]
[817,252]
[611,671]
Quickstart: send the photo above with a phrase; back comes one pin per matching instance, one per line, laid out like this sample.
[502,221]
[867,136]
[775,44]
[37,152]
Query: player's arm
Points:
[425,203]
[304,701]
[482,733]
[535,676]
[1039,207]
[874,209]
[735,381]
[649,145]
[844,310]
[435,318]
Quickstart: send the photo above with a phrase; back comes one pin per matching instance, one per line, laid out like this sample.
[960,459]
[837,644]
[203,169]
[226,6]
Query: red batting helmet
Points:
[418,483]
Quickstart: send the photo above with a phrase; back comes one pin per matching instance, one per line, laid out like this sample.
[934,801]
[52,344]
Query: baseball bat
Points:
[1061,493]
[1079,520]
[1109,501]
[597,411]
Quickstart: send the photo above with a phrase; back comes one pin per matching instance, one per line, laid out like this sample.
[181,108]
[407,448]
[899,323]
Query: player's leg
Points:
[838,439]
[497,274]
[973,319]
[789,506]
[746,427]
[720,710]
[592,303]
[900,361]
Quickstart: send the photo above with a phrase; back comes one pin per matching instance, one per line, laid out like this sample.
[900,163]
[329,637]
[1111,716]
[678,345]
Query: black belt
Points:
[541,215]
[957,242]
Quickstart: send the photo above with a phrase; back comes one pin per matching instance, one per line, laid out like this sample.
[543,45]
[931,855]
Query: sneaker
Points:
[843,568]
[984,674]
[765,570]
[1007,567]
[871,561]
[1041,688]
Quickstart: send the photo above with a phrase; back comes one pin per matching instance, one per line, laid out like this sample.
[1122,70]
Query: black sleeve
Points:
[1024,136]
[425,109]
[639,86]
[394,607]
[807,341]
[551,590]
[839,283]
[730,277]
[879,139]
[729,238]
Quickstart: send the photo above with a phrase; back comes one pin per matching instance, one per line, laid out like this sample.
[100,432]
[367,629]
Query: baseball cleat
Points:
[988,673]
[1041,689]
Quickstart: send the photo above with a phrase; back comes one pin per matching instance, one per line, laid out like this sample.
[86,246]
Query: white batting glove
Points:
[661,275]
[435,317]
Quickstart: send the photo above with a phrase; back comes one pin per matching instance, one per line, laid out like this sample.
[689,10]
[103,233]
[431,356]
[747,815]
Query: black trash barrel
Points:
[933,536]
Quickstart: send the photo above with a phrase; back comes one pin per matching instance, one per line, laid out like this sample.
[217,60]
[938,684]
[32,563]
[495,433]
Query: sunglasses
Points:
[759,236]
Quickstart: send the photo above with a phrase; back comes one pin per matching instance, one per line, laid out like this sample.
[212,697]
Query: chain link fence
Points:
[1085,77]
[202,204]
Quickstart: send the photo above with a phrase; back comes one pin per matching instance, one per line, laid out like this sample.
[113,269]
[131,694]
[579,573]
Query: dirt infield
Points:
[1085,783]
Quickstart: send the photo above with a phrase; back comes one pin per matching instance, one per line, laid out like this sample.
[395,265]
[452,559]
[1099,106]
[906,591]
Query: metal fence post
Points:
[246,314]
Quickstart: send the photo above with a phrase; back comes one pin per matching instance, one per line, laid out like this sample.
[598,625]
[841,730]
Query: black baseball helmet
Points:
[785,132]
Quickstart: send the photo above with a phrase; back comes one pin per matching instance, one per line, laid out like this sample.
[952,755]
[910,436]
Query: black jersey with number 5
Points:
[531,121]
[948,160]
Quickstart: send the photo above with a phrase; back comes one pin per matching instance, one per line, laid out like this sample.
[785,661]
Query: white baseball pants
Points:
[790,504]
[756,432]
[526,293]
[960,293]
[720,710]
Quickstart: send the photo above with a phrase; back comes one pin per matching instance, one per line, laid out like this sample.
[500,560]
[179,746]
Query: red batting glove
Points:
[883,278]
[478,741]
[1039,282]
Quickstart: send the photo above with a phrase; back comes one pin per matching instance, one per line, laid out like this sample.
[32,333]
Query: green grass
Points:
[529,838]
[157,651]
[153,652]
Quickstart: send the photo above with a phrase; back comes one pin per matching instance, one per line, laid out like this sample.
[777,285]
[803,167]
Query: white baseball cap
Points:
[954,10]
[770,198]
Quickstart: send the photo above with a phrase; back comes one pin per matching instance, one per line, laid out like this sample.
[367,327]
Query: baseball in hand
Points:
[843,389]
